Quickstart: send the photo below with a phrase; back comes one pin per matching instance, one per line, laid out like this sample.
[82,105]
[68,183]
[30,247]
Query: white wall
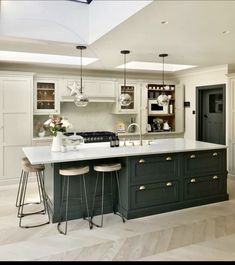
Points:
[208,76]
[64,21]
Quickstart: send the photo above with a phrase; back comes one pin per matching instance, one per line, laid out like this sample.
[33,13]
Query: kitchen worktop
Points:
[43,154]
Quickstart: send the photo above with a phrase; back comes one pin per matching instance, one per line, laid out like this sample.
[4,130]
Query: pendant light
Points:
[81,100]
[125,98]
[163,99]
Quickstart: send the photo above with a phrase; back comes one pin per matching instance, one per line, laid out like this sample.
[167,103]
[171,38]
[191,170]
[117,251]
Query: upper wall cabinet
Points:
[132,89]
[96,90]
[46,96]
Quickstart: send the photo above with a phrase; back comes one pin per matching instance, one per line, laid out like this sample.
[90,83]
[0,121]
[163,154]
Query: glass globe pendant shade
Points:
[125,99]
[163,100]
[81,100]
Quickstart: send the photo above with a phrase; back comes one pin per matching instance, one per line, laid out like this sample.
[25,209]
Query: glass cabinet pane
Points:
[45,95]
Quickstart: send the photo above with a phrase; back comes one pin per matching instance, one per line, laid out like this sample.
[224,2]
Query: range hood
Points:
[91,99]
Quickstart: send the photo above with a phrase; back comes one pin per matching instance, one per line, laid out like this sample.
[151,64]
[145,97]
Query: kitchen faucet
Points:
[140,132]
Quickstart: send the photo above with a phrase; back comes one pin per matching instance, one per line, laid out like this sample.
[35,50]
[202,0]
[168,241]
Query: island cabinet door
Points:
[154,168]
[206,186]
[154,194]
[204,162]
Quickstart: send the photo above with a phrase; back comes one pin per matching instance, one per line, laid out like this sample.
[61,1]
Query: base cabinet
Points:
[165,182]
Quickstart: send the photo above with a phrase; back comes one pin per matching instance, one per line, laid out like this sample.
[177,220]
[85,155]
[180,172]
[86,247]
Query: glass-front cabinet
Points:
[46,96]
[131,93]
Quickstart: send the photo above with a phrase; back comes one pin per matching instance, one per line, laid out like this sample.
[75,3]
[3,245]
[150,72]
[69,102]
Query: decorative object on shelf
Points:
[163,99]
[57,125]
[166,126]
[41,129]
[125,98]
[80,99]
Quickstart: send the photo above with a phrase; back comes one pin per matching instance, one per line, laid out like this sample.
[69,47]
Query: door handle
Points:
[168,158]
[192,156]
[205,116]
[142,188]
[193,180]
[169,184]
[141,161]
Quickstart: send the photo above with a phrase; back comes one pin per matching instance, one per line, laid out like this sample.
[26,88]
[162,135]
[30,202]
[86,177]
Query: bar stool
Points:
[105,168]
[24,161]
[28,168]
[66,174]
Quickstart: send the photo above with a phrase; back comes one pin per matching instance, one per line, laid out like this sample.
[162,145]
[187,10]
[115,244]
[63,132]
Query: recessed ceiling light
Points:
[164,22]
[26,57]
[226,32]
[135,65]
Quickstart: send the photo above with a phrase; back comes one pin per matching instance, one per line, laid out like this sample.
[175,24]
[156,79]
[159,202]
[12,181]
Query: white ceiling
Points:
[192,36]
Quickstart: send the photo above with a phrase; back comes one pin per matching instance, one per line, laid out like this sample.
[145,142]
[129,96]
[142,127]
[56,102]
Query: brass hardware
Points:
[215,177]
[215,154]
[168,184]
[168,158]
[193,180]
[142,161]
[192,156]
[142,188]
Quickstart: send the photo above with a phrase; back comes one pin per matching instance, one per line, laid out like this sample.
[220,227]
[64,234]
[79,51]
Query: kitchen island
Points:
[165,175]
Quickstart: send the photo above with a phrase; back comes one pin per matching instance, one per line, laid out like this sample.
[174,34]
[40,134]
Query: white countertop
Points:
[43,154]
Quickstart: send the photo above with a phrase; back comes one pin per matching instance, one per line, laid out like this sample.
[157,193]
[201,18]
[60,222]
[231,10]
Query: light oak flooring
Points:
[205,233]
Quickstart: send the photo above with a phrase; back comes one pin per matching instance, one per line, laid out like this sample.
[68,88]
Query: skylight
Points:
[26,57]
[135,65]
[82,1]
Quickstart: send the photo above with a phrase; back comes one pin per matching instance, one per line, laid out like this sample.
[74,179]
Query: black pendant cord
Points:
[163,72]
[124,73]
[81,70]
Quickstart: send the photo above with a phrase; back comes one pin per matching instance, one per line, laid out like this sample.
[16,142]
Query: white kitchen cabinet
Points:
[15,122]
[179,109]
[96,90]
[46,96]
[231,122]
[133,89]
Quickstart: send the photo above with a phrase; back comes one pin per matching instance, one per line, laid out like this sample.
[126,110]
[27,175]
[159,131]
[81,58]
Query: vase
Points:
[57,142]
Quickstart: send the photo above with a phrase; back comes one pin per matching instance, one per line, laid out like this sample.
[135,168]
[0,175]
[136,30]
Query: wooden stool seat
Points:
[74,171]
[28,167]
[108,167]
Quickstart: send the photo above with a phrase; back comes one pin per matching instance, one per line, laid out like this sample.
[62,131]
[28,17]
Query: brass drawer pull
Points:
[193,180]
[215,154]
[169,184]
[142,161]
[215,177]
[142,188]
[168,158]
[192,156]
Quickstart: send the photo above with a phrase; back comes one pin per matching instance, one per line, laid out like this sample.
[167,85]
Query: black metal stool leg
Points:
[86,201]
[21,207]
[39,189]
[44,197]
[22,190]
[93,204]
[19,189]
[119,197]
[66,210]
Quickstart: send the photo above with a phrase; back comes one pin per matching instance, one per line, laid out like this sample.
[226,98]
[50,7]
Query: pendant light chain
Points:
[124,72]
[163,72]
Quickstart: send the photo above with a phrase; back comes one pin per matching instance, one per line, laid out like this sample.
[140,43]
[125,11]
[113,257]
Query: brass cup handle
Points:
[215,154]
[215,177]
[168,158]
[169,184]
[193,180]
[142,188]
[141,161]
[193,156]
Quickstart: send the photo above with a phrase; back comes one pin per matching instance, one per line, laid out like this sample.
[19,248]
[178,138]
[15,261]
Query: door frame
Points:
[199,94]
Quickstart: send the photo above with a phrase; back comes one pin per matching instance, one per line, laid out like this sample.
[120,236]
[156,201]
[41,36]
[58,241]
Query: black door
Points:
[211,114]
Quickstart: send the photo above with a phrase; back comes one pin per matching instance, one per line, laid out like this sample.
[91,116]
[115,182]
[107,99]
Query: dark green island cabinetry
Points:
[150,184]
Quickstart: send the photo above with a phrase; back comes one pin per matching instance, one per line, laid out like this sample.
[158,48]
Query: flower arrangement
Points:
[57,124]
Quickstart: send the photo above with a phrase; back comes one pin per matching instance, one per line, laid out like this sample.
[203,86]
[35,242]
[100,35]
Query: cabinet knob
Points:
[193,180]
[193,156]
[141,161]
[142,188]
[169,184]
[215,154]
[168,158]
[215,177]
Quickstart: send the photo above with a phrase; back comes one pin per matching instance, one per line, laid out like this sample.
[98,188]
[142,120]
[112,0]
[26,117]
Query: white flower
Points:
[47,122]
[66,123]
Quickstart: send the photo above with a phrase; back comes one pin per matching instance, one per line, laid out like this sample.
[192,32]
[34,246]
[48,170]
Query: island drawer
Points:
[154,168]
[198,187]
[204,162]
[148,195]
